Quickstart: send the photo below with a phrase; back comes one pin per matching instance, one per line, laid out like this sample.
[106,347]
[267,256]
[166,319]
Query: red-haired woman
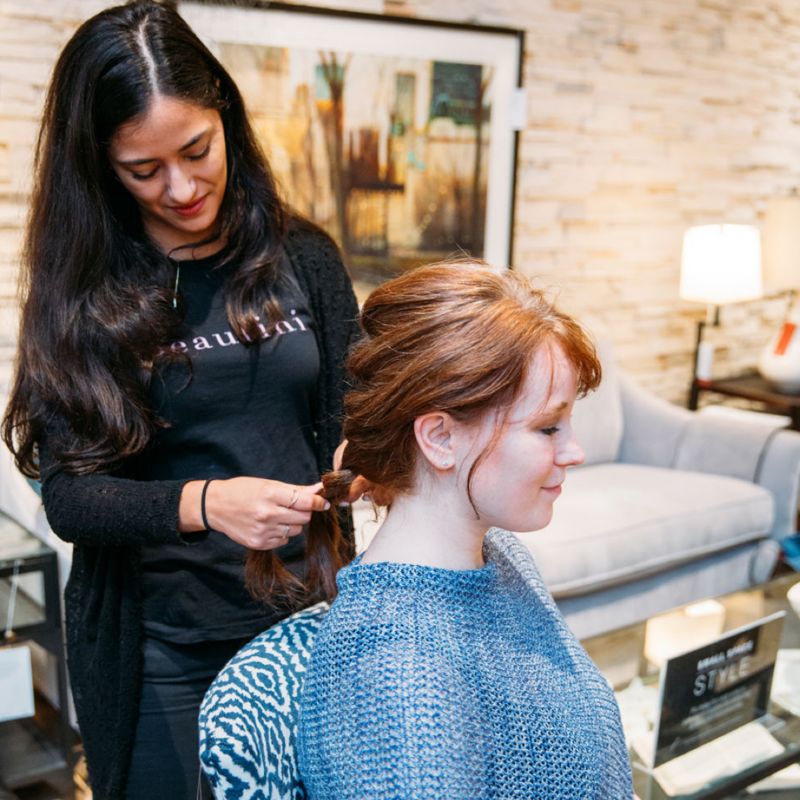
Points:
[444,668]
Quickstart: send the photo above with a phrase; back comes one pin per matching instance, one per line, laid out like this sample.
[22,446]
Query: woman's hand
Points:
[257,513]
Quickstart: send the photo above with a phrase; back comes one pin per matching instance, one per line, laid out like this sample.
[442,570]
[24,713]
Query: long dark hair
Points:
[96,294]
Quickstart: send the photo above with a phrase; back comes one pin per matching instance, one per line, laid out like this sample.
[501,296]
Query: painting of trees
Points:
[387,154]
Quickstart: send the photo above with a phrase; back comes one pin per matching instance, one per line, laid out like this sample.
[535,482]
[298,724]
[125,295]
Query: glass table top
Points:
[630,658]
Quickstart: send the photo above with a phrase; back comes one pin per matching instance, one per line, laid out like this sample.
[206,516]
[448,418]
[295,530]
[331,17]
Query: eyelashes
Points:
[202,155]
[550,431]
[137,176]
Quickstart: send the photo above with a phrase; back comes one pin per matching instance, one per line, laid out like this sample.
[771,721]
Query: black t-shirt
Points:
[232,410]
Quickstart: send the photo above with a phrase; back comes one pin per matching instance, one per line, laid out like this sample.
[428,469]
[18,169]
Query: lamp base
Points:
[780,359]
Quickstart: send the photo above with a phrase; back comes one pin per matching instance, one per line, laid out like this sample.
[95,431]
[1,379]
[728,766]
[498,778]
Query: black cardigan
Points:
[108,518]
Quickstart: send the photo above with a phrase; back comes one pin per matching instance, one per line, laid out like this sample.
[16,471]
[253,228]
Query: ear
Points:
[433,432]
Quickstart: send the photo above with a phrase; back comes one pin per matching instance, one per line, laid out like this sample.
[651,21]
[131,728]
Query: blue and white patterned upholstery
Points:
[248,718]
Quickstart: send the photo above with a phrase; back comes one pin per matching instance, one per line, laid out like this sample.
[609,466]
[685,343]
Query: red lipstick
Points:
[191,210]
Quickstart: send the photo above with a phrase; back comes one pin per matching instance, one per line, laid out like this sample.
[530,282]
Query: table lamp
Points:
[780,359]
[719,264]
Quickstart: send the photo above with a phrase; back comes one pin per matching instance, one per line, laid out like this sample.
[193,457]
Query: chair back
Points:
[248,718]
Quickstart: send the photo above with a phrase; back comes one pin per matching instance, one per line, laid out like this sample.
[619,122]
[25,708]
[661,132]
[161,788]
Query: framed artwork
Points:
[395,135]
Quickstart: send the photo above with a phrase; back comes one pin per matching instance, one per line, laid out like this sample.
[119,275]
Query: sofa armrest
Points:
[766,456]
[779,471]
[657,433]
[652,427]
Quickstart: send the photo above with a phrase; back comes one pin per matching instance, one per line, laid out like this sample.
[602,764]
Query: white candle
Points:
[705,361]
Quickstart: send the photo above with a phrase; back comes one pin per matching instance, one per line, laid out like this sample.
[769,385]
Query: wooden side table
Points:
[750,386]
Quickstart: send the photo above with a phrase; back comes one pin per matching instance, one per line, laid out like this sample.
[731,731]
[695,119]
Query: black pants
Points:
[164,763]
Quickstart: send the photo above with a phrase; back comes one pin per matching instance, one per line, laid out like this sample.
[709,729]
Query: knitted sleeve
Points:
[101,510]
[391,724]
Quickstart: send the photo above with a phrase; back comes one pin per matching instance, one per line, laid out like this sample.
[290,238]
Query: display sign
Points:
[716,688]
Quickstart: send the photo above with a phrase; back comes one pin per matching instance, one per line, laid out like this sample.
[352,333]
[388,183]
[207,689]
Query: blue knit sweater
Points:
[457,684]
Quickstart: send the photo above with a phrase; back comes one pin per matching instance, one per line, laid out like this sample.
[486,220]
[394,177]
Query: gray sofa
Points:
[670,507]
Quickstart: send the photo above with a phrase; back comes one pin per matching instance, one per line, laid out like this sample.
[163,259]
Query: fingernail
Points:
[327,505]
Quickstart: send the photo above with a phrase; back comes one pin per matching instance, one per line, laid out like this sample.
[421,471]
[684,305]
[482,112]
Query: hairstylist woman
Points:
[178,326]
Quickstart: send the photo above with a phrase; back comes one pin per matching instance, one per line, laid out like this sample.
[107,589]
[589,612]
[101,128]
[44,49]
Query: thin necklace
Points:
[175,289]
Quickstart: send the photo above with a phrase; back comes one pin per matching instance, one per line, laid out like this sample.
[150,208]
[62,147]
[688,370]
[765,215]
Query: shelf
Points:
[27,611]
[27,755]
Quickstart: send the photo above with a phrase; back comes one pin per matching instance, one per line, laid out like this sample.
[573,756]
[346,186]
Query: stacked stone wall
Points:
[643,118]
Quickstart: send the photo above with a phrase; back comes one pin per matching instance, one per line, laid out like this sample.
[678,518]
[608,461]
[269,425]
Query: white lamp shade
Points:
[721,264]
[781,237]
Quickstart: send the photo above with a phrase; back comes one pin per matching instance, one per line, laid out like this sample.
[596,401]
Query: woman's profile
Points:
[444,668]
[178,385]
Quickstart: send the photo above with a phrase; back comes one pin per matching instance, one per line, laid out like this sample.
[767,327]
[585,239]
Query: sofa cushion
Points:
[619,522]
[597,418]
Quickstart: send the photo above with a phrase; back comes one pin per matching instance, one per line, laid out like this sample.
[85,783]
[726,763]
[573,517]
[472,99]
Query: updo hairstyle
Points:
[454,337]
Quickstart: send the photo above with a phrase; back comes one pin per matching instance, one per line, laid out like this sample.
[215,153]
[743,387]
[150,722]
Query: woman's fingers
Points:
[285,532]
[259,513]
[299,498]
[316,502]
[276,536]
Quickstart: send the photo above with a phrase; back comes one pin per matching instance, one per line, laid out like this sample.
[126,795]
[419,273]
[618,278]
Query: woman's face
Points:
[172,160]
[516,484]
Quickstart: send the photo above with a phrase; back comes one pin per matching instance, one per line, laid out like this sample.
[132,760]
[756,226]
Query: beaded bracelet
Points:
[203,504]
